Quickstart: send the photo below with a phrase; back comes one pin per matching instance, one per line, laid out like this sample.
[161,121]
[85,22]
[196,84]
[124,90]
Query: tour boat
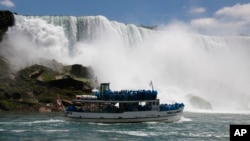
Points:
[125,106]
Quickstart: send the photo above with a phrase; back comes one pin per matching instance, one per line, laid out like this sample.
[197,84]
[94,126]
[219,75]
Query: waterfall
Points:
[178,60]
[91,28]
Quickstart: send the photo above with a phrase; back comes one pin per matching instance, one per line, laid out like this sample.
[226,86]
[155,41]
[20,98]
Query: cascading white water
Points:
[91,28]
[179,61]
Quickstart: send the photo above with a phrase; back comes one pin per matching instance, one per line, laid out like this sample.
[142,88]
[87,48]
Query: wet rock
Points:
[6,20]
[199,103]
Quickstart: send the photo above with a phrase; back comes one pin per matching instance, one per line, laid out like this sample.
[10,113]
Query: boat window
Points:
[143,103]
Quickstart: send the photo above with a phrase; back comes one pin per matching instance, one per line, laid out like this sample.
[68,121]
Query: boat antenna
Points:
[151,84]
[95,83]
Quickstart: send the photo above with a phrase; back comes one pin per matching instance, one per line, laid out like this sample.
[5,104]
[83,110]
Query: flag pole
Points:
[96,83]
[151,84]
[59,102]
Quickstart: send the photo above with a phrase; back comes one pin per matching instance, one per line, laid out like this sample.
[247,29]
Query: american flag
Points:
[59,102]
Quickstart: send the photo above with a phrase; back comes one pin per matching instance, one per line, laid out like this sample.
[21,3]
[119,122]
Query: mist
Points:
[179,60]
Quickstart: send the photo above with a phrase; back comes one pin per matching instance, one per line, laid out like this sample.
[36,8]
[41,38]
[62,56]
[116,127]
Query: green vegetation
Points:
[4,68]
[10,105]
[37,85]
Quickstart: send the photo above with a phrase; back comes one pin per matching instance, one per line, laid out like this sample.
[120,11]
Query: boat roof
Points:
[114,101]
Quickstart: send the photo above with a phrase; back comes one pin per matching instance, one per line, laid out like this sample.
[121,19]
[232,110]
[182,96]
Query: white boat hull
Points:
[128,117]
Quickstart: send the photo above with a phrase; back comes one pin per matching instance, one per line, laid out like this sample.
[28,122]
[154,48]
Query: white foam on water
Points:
[18,131]
[184,119]
[205,135]
[53,130]
[132,133]
[101,124]
[47,121]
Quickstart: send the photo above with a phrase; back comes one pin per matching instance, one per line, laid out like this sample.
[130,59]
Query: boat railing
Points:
[169,107]
[127,95]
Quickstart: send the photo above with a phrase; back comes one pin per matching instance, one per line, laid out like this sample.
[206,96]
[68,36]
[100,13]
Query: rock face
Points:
[199,103]
[32,88]
[45,109]
[81,71]
[6,20]
[4,68]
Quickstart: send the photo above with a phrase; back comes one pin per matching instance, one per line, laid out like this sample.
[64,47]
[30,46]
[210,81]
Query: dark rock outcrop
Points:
[69,83]
[199,103]
[81,71]
[6,20]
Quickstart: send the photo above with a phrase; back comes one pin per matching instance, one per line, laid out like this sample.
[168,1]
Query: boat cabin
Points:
[116,101]
[114,106]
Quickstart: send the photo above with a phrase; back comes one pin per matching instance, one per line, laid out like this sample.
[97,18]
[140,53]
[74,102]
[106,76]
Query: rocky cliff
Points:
[38,86]
[6,20]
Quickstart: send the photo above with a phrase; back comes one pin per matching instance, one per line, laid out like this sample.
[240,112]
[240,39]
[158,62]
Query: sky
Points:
[205,15]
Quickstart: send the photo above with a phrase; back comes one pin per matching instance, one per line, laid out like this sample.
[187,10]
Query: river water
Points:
[54,126]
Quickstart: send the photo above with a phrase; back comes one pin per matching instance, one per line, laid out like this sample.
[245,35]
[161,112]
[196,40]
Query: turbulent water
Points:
[192,127]
[180,61]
